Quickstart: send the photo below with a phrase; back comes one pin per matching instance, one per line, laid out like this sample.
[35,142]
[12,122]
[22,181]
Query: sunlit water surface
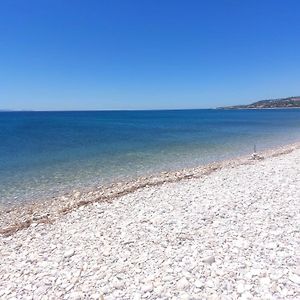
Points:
[43,154]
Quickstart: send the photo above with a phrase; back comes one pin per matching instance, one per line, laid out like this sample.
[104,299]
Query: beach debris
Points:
[37,217]
[255,155]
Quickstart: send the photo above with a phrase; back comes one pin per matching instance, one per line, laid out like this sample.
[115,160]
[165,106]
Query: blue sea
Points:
[43,154]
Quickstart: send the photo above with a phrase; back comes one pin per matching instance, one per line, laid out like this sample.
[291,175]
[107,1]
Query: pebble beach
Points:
[233,233]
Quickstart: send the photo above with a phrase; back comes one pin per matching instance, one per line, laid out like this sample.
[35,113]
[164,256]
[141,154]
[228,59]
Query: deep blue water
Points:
[44,153]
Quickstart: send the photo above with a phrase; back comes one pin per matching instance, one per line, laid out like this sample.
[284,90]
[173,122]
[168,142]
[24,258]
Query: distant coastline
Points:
[280,103]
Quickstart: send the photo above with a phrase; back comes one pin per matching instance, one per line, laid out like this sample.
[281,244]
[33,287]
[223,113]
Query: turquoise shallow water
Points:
[45,153]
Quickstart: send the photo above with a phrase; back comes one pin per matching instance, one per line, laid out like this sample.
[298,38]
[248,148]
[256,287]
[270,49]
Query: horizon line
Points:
[135,109]
[102,110]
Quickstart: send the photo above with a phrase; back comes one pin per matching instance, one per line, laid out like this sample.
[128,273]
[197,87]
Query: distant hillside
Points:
[290,102]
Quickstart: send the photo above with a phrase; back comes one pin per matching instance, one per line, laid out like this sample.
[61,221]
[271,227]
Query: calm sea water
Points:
[45,153]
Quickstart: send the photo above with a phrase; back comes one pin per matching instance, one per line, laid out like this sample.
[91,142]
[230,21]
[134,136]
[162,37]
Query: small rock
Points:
[137,296]
[167,278]
[198,284]
[95,296]
[158,290]
[246,296]
[147,288]
[182,284]
[271,245]
[265,281]
[294,278]
[240,288]
[275,276]
[209,260]
[254,272]
[117,284]
[69,253]
[184,296]
[106,251]
[210,283]
[39,217]
[297,270]
[76,296]
[77,195]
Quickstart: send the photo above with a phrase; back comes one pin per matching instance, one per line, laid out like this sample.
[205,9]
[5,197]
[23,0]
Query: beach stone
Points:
[210,283]
[106,251]
[265,281]
[137,296]
[240,287]
[76,194]
[184,296]
[294,278]
[182,284]
[147,288]
[296,270]
[76,296]
[246,296]
[271,245]
[96,296]
[199,284]
[159,289]
[117,284]
[69,253]
[209,260]
[254,272]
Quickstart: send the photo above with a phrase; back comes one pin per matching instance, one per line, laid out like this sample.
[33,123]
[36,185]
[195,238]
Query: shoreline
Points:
[230,233]
[23,216]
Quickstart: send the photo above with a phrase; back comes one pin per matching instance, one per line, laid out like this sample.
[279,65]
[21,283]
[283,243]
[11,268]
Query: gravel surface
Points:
[233,234]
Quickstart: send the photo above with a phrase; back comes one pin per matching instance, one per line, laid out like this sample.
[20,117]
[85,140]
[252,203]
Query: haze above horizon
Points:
[124,55]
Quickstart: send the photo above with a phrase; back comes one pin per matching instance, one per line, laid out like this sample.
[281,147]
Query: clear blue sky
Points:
[58,54]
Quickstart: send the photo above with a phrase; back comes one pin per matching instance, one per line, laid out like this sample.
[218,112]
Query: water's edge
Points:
[49,154]
[20,217]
